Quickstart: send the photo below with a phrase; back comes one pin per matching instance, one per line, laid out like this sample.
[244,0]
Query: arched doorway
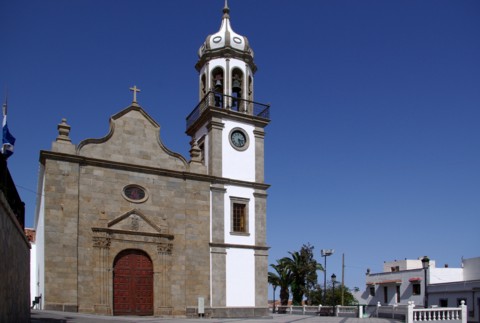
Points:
[132,283]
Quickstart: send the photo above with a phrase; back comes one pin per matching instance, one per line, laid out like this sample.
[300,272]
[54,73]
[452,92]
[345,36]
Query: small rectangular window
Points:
[239,215]
[443,302]
[385,294]
[372,291]
[416,290]
[398,293]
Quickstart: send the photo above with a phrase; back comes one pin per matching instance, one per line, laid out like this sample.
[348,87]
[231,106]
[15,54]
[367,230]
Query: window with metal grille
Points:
[239,220]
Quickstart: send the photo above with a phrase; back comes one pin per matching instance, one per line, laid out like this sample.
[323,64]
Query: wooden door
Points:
[132,283]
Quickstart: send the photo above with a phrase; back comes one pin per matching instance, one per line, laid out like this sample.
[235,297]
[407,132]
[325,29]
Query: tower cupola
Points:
[225,43]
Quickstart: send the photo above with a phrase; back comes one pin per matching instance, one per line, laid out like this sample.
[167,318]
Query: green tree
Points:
[304,273]
[315,297]
[330,299]
[282,277]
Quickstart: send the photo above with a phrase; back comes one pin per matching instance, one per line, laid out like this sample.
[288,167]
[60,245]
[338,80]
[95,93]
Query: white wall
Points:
[407,264]
[241,192]
[238,164]
[39,279]
[33,271]
[444,275]
[471,269]
[240,277]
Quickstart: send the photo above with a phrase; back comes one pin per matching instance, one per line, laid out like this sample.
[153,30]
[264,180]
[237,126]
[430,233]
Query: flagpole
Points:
[6,101]
[8,140]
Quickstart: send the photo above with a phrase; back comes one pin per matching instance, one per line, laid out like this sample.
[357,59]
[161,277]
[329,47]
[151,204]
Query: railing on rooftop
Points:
[222,101]
[7,186]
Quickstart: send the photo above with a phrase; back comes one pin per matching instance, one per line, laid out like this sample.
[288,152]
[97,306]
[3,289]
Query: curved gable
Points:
[133,138]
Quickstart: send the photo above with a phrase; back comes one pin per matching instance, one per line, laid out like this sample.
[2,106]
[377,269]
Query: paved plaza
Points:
[64,317]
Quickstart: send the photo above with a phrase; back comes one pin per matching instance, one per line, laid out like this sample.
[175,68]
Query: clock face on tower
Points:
[239,139]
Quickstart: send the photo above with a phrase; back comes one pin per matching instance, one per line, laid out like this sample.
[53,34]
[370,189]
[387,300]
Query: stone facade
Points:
[88,220]
[124,208]
[14,268]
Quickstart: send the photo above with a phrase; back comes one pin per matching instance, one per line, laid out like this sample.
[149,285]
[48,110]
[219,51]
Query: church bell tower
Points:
[227,131]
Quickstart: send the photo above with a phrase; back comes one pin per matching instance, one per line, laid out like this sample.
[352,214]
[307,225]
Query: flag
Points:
[8,140]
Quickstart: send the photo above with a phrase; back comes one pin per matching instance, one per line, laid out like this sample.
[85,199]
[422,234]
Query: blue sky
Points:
[373,147]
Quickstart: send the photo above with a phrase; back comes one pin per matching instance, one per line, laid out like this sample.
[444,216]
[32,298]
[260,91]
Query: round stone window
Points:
[135,193]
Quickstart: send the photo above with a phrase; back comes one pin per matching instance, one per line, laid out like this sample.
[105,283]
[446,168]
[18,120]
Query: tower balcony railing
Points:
[228,102]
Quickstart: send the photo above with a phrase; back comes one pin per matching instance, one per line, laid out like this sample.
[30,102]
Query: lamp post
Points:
[274,288]
[334,279]
[325,254]
[425,265]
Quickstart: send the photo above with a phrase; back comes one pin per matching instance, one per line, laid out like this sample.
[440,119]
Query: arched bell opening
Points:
[237,90]
[249,107]
[218,80]
[203,86]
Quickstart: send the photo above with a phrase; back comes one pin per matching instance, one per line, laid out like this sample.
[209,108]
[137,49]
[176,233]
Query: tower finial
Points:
[226,10]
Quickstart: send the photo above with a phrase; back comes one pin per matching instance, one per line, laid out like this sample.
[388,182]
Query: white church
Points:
[125,226]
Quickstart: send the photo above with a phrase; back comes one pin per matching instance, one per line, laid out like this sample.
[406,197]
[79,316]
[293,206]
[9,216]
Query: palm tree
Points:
[304,271]
[273,280]
[281,277]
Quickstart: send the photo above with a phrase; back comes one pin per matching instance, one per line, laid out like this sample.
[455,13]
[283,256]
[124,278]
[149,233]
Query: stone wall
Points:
[89,220]
[14,267]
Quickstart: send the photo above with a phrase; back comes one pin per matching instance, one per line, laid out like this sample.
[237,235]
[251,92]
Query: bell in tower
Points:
[237,91]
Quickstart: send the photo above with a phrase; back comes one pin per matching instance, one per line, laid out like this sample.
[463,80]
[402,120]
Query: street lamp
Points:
[325,254]
[425,265]
[274,288]
[334,279]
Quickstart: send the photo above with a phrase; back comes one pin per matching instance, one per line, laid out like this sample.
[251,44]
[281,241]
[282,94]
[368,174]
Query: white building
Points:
[448,287]
[404,280]
[31,236]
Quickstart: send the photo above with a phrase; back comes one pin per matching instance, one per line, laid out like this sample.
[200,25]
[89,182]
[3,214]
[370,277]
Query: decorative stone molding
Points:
[259,133]
[63,131]
[135,224]
[195,151]
[101,242]
[218,188]
[85,161]
[260,195]
[214,247]
[101,239]
[165,248]
[215,125]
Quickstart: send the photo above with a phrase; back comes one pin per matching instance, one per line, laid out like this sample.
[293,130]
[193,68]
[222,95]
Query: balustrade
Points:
[227,102]
[437,313]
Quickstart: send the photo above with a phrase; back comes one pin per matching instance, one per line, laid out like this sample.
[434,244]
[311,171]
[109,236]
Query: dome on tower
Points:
[225,43]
